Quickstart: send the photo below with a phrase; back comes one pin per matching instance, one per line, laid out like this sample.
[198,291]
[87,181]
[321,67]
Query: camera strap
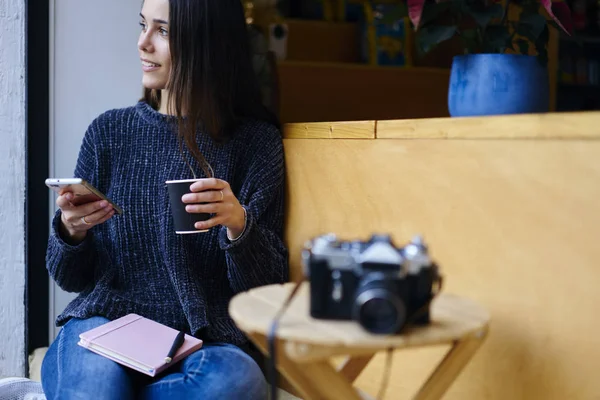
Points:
[272,334]
[271,342]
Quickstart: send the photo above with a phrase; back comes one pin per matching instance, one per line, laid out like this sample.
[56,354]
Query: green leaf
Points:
[496,39]
[543,37]
[535,22]
[485,15]
[471,40]
[433,11]
[523,46]
[430,36]
[527,31]
[394,13]
[542,53]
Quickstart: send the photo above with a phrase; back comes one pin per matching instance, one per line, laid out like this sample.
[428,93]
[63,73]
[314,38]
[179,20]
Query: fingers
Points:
[208,196]
[210,208]
[99,216]
[209,223]
[74,213]
[208,184]
[95,213]
[64,201]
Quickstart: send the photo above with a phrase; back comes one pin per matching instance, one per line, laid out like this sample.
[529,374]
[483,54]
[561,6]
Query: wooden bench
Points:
[510,207]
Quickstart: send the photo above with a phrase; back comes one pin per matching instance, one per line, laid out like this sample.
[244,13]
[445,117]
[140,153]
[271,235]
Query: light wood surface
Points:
[453,318]
[331,130]
[512,223]
[566,125]
[450,367]
[572,125]
[351,367]
[322,92]
[306,345]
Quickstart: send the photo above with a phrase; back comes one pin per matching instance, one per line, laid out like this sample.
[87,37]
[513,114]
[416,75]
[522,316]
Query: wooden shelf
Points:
[316,92]
[322,41]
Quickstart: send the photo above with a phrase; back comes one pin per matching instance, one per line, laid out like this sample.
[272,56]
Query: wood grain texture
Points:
[253,311]
[513,224]
[572,125]
[353,366]
[455,320]
[318,92]
[451,366]
[330,130]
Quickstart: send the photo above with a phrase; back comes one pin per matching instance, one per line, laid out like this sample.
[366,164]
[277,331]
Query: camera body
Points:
[382,287]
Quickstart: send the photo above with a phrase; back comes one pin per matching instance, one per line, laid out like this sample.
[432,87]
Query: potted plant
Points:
[504,68]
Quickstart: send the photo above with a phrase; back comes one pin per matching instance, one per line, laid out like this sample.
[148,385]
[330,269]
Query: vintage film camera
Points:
[382,287]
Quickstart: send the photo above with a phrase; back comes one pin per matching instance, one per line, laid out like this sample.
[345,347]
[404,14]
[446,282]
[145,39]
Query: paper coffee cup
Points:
[183,220]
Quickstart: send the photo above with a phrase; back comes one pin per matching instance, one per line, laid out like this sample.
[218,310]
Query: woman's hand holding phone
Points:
[77,220]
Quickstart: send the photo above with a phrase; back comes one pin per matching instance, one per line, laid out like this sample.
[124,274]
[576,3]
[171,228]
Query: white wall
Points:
[12,182]
[94,67]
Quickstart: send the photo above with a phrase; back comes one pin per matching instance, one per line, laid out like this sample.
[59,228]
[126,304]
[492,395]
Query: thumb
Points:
[64,201]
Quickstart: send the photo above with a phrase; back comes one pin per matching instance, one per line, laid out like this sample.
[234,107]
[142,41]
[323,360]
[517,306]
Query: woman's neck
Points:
[164,98]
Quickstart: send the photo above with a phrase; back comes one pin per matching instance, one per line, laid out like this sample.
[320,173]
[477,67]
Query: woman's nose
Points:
[144,43]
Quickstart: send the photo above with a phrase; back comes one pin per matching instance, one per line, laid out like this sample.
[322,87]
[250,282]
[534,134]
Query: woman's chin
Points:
[152,84]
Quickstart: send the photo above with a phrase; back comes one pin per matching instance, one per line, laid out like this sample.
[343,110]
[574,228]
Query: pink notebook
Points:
[138,343]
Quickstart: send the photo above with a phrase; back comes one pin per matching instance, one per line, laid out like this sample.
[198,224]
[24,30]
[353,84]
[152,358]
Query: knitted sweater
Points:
[135,262]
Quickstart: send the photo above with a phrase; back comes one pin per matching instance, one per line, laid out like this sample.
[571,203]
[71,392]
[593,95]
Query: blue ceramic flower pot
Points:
[493,84]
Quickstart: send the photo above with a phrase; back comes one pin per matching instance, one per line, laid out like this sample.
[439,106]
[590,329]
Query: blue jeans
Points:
[217,371]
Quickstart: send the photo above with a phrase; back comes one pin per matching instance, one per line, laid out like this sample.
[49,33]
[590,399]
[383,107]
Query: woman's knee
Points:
[229,372]
[71,371]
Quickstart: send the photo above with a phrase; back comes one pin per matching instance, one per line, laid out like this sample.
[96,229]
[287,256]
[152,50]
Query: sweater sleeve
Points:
[259,257]
[72,266]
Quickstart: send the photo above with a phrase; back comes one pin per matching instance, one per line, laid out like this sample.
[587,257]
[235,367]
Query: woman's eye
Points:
[143,25]
[163,32]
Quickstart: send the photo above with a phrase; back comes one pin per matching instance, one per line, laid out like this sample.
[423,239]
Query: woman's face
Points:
[153,44]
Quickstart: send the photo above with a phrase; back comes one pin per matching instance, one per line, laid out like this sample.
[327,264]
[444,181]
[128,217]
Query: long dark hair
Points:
[212,83]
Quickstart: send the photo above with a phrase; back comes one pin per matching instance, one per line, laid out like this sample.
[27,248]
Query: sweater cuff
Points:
[60,241]
[226,244]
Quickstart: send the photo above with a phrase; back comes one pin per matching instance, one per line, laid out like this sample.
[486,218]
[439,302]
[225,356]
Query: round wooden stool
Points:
[305,344]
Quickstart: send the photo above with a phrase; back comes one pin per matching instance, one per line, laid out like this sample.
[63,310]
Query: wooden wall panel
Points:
[513,224]
[318,92]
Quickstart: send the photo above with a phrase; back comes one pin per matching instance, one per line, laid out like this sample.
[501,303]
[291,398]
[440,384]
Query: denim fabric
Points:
[217,371]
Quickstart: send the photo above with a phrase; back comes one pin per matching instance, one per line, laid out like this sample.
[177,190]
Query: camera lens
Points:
[379,311]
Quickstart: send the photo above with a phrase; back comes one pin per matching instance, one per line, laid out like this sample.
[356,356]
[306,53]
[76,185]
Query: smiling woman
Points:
[201,118]
[154,45]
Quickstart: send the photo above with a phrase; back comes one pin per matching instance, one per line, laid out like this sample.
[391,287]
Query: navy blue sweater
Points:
[135,263]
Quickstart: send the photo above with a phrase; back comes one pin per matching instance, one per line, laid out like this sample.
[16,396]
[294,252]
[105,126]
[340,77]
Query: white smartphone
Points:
[82,190]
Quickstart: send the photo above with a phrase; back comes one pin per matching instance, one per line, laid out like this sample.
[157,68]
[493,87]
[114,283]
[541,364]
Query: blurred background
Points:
[362,59]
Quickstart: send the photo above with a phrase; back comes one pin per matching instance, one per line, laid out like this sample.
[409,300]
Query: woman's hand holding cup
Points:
[214,196]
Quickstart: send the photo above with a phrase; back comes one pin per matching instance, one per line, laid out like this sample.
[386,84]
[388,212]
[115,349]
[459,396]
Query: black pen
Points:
[179,339]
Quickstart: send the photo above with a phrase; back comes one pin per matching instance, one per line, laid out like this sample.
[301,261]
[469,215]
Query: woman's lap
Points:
[70,371]
[217,371]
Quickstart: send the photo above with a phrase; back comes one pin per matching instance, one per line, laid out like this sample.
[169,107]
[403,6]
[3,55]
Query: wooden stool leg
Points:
[451,366]
[321,377]
[315,380]
[353,366]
